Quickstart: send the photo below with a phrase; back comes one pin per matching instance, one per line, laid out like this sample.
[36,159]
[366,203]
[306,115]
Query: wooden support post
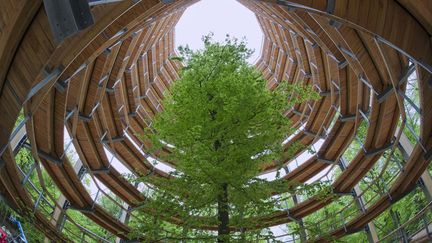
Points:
[58,214]
[303,236]
[406,147]
[125,216]
[370,229]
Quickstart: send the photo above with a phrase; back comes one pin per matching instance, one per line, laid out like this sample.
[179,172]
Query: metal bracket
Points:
[335,24]
[367,83]
[342,64]
[312,134]
[364,115]
[404,77]
[323,160]
[46,155]
[343,193]
[378,150]
[330,6]
[410,101]
[49,157]
[81,172]
[387,91]
[346,118]
[118,138]
[299,113]
[109,90]
[48,77]
[335,84]
[87,118]
[103,170]
[292,218]
[114,139]
[325,93]
[306,74]
[83,210]
[61,85]
[102,81]
[84,117]
[68,17]
[347,52]
[70,113]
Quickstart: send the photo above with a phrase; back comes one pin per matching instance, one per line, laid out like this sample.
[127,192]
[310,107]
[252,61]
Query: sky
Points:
[220,17]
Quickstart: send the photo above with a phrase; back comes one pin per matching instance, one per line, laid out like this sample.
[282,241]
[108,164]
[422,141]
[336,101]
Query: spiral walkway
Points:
[102,87]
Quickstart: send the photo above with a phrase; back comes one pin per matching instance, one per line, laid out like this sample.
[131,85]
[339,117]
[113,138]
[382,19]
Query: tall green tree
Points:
[221,124]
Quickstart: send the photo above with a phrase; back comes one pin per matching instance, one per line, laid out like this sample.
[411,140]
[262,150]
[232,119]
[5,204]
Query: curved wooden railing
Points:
[106,84]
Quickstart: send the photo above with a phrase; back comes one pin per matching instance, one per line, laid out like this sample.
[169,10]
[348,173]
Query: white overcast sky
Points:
[220,17]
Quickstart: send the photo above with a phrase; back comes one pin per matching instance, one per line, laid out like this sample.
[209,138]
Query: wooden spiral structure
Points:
[105,84]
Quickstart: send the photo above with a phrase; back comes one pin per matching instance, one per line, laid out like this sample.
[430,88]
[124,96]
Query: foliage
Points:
[74,232]
[32,234]
[109,205]
[374,185]
[19,119]
[222,125]
[403,210]
[26,162]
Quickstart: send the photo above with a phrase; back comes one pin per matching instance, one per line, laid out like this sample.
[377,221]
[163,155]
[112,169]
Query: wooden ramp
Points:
[104,86]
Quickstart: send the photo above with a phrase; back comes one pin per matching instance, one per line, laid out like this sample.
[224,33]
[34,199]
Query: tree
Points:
[221,125]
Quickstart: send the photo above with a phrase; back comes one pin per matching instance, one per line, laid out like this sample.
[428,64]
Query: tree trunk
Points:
[223,215]
[222,202]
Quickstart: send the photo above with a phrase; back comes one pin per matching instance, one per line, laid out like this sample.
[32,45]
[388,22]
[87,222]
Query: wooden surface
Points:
[116,72]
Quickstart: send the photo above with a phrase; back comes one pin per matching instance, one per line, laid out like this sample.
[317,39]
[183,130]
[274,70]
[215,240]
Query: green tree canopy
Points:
[222,124]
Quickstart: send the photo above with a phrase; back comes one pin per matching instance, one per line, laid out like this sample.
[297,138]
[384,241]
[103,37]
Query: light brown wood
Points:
[351,55]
